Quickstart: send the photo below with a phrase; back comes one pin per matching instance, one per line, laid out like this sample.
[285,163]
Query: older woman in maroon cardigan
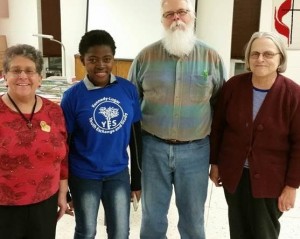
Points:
[255,141]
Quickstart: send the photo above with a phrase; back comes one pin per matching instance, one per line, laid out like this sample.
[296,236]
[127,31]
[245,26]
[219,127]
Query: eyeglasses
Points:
[18,72]
[180,12]
[265,54]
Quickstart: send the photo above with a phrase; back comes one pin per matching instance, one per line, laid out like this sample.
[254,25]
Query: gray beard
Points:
[179,42]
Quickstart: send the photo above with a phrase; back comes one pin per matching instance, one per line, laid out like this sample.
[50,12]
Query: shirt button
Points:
[257,176]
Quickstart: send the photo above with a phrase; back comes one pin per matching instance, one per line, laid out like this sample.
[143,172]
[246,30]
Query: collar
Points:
[90,86]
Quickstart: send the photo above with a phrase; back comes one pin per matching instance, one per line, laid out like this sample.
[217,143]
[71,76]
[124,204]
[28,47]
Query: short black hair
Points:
[96,38]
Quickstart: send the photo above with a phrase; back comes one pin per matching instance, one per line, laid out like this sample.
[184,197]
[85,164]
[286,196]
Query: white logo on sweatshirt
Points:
[108,116]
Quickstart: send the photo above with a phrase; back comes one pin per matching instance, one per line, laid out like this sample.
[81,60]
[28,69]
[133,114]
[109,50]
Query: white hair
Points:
[190,7]
[179,42]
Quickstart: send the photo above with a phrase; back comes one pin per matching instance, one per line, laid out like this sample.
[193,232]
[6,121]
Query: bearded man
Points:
[178,79]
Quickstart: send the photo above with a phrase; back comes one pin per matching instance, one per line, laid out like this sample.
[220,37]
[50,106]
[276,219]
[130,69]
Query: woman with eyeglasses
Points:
[33,151]
[255,141]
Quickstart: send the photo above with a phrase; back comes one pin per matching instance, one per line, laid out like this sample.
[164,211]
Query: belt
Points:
[168,141]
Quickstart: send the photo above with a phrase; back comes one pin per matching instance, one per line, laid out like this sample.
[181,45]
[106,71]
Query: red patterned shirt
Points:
[32,161]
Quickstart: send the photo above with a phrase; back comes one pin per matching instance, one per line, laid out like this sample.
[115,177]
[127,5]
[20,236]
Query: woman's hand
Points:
[286,200]
[62,198]
[70,209]
[214,175]
[62,206]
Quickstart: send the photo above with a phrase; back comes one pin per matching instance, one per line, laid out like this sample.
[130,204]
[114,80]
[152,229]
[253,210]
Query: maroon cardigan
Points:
[271,142]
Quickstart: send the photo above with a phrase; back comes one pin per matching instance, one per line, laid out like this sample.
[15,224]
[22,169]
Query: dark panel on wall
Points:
[50,11]
[246,15]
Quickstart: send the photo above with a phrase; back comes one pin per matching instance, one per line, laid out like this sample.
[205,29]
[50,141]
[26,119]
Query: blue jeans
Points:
[186,167]
[114,192]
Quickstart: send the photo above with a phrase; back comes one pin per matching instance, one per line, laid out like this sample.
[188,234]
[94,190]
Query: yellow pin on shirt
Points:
[45,127]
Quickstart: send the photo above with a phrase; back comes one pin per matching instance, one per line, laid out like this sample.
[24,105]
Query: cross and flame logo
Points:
[286,19]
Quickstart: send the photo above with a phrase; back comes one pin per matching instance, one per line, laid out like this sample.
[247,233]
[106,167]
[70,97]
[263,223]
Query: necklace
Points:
[28,121]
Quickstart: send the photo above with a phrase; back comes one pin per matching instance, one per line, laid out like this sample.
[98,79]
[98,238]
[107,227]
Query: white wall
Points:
[24,20]
[214,24]
[73,18]
[21,23]
[132,24]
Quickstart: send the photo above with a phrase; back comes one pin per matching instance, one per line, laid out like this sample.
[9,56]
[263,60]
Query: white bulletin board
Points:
[133,24]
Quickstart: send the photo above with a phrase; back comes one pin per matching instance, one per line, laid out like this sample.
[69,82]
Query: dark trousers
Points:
[249,217]
[35,221]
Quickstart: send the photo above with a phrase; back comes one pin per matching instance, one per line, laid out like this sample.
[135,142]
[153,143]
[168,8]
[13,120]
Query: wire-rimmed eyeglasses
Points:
[180,12]
[265,54]
[18,72]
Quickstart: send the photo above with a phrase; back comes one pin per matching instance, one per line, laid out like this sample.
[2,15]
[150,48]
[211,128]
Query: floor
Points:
[215,214]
